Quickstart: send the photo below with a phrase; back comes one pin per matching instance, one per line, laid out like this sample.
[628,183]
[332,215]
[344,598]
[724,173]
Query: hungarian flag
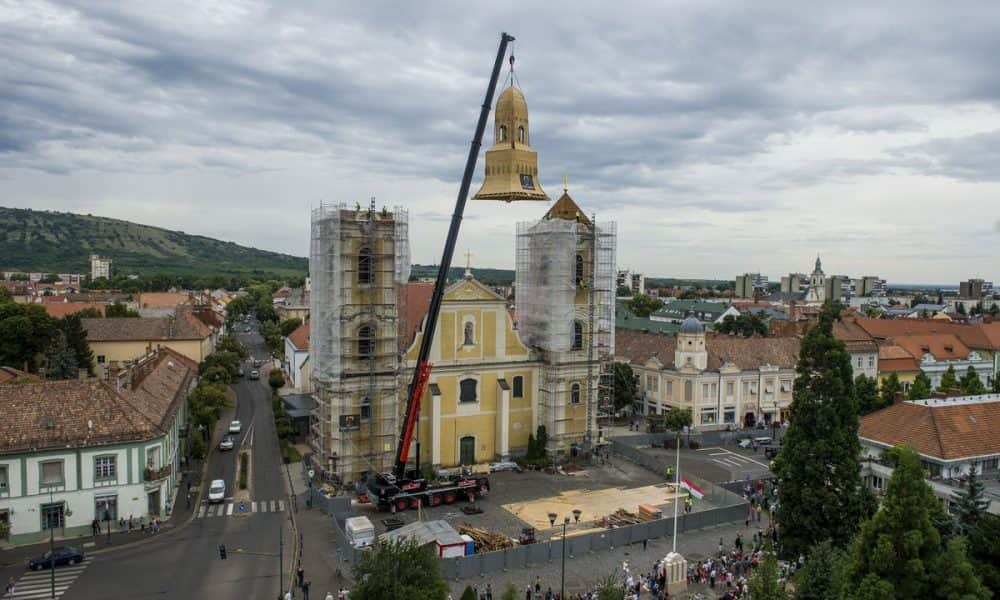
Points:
[692,488]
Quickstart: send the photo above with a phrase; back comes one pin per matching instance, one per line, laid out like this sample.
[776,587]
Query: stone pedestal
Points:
[675,568]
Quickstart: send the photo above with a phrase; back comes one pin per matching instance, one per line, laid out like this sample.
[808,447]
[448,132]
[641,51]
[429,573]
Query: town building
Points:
[952,436]
[975,289]
[751,285]
[296,365]
[118,342]
[635,282]
[293,305]
[859,344]
[795,283]
[726,381]
[100,267]
[78,450]
[709,313]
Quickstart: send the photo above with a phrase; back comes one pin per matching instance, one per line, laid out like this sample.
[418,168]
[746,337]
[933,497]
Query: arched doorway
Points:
[749,420]
[467,450]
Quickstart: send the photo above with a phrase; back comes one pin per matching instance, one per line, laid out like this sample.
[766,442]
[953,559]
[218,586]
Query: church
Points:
[500,371]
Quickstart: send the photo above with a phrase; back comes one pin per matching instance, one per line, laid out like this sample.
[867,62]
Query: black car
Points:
[64,555]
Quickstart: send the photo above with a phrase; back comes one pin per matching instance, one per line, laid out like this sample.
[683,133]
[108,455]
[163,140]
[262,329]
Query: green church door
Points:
[467,450]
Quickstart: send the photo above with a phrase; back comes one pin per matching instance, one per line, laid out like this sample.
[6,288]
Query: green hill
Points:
[45,241]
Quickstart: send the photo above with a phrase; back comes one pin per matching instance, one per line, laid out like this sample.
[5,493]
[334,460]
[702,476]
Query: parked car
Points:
[504,466]
[241,372]
[771,450]
[257,362]
[63,555]
[217,491]
[235,427]
[227,443]
[255,374]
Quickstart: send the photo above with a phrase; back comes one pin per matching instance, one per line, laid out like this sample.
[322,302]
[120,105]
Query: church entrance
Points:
[467,450]
[749,420]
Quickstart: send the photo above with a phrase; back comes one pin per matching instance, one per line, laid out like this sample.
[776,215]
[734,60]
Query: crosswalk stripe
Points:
[274,506]
[281,505]
[201,511]
[253,506]
[61,573]
[229,509]
[40,593]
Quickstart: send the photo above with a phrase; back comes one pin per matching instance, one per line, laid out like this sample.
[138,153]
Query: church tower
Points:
[817,285]
[511,164]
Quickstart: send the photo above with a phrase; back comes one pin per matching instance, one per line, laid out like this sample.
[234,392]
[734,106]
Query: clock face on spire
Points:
[511,164]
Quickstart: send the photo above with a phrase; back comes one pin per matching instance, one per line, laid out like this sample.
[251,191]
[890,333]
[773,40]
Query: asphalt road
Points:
[187,564]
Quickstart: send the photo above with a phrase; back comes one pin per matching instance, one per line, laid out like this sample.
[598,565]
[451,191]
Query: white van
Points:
[217,491]
[360,531]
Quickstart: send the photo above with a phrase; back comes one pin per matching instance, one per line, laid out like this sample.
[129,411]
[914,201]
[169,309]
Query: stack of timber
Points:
[649,513]
[619,518]
[484,540]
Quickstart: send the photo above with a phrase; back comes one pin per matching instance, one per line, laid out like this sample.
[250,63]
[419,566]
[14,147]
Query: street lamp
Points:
[552,521]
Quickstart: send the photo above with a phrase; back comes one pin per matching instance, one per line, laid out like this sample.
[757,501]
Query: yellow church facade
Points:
[480,402]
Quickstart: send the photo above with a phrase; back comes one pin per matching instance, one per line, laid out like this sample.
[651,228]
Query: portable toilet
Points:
[470,546]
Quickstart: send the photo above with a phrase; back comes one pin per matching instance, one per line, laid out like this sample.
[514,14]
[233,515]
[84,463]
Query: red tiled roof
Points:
[300,337]
[417,296]
[992,333]
[60,310]
[162,299]
[10,373]
[942,346]
[88,412]
[973,336]
[183,326]
[948,430]
[746,353]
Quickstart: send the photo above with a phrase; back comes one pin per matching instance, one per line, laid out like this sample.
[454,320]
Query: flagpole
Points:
[677,484]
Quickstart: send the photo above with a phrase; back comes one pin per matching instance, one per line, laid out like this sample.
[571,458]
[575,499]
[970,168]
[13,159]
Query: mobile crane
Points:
[400,489]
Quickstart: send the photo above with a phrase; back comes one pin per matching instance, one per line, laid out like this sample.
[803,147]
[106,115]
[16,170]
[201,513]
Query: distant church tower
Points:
[817,285]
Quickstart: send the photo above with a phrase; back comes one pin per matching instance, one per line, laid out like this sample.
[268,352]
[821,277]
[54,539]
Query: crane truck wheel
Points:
[449,497]
[414,502]
[471,496]
[435,499]
[401,504]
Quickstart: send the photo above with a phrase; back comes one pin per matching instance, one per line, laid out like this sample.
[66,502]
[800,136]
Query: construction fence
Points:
[527,556]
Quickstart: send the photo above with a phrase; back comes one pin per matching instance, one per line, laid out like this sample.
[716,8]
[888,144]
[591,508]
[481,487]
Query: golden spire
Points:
[511,164]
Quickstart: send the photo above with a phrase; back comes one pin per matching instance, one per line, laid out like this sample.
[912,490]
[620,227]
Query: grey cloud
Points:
[973,158]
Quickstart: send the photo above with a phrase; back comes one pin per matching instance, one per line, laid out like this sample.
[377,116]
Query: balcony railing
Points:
[150,474]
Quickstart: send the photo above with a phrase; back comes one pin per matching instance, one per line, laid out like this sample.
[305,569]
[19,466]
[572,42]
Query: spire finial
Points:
[565,183]
[468,264]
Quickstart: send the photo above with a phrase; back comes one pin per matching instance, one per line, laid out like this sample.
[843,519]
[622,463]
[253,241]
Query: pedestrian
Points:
[288,595]
[95,527]
[11,587]
[527,593]
[489,591]
[130,523]
[329,596]
[305,589]
[300,574]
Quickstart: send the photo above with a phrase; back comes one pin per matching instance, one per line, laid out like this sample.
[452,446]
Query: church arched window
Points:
[574,393]
[521,138]
[579,269]
[501,134]
[366,267]
[577,335]
[366,341]
[469,338]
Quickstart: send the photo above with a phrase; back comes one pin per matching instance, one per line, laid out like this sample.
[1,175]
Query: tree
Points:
[960,309]
[984,550]
[76,339]
[610,588]
[26,331]
[747,325]
[921,387]
[623,291]
[50,278]
[821,577]
[970,505]
[626,388]
[822,496]
[272,337]
[995,309]
[948,381]
[510,592]
[89,313]
[676,419]
[866,389]
[900,550]
[872,311]
[119,311]
[890,389]
[217,374]
[230,361]
[643,306]
[469,594]
[289,325]
[60,359]
[971,384]
[276,379]
[763,581]
[398,569]
[230,344]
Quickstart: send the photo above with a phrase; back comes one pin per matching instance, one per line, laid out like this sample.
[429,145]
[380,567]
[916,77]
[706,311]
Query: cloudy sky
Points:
[722,137]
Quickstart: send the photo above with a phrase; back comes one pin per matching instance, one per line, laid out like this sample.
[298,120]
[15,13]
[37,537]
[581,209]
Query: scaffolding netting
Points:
[544,283]
[325,271]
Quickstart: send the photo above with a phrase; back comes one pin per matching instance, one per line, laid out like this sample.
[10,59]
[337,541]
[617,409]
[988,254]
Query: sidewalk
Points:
[319,555]
[120,536]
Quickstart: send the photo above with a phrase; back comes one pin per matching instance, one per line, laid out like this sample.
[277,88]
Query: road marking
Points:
[229,509]
[38,584]
[253,506]
[201,511]
[281,506]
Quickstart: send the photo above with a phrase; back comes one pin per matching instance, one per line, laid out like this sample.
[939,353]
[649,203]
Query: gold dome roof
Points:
[511,164]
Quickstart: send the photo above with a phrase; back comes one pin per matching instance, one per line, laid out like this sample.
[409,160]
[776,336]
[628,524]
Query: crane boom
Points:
[423,370]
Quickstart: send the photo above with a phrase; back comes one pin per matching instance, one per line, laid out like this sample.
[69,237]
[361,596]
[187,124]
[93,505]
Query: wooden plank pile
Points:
[485,540]
[619,518]
[649,513]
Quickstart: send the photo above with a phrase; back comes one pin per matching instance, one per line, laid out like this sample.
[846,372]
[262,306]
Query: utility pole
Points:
[281,559]
[52,553]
